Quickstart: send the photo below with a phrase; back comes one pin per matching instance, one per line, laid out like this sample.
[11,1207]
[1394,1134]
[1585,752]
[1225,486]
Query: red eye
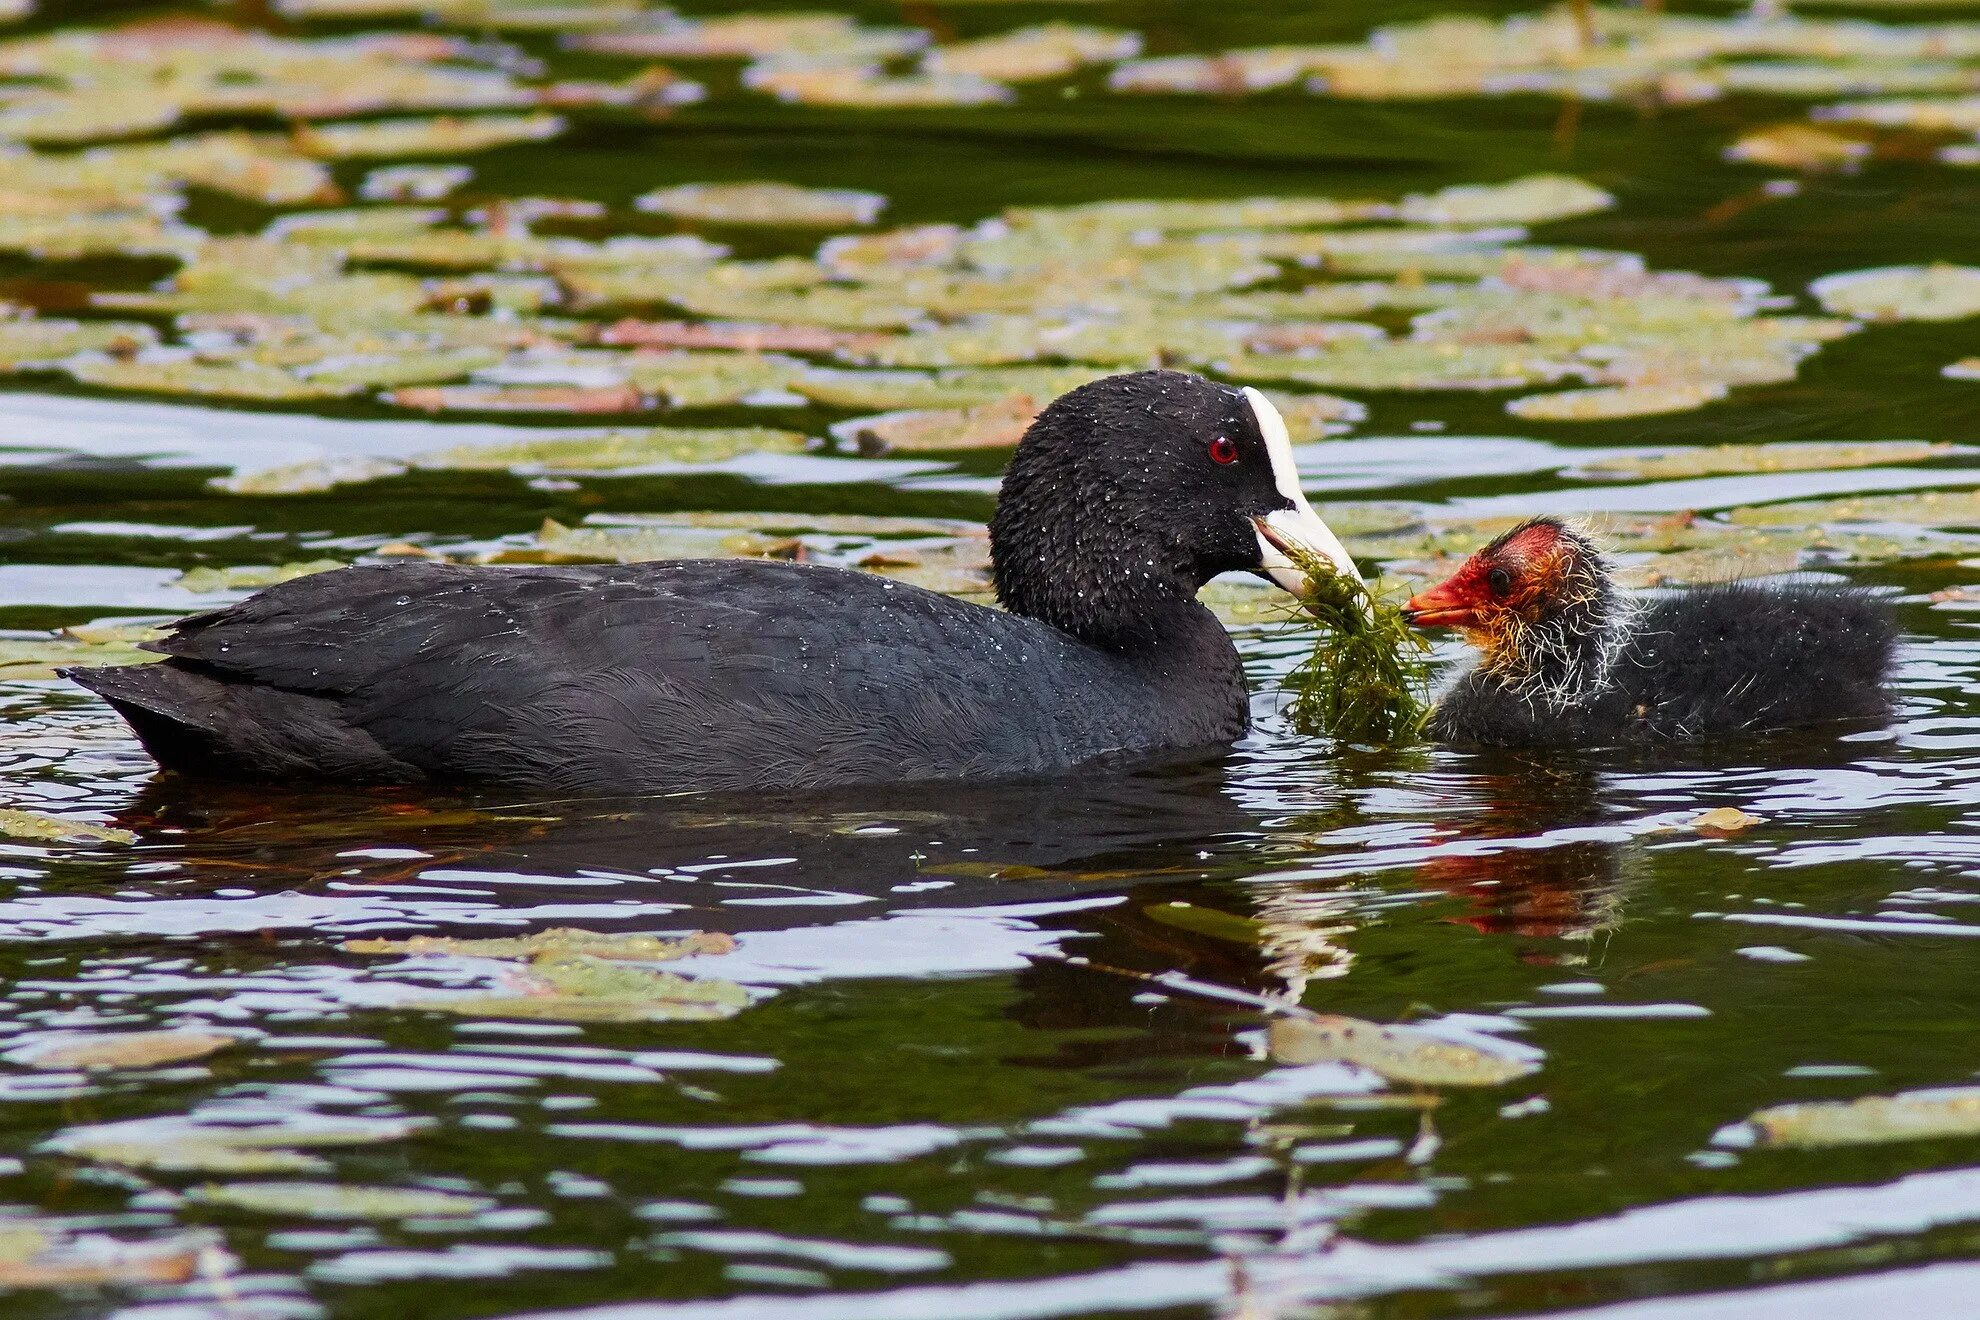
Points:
[1223,450]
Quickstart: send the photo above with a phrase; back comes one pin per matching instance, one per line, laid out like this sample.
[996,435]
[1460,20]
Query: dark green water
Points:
[930,1113]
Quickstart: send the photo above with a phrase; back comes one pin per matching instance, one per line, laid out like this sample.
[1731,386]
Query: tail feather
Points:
[201,724]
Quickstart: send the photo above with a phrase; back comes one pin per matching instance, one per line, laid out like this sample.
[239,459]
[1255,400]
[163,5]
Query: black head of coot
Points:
[1129,493]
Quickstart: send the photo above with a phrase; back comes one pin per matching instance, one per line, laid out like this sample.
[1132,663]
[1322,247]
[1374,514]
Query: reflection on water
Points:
[1003,1053]
[954,1068]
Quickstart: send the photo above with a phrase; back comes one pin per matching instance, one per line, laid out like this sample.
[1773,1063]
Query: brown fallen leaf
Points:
[520,398]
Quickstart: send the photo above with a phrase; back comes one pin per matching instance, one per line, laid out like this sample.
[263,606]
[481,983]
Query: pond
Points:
[311,282]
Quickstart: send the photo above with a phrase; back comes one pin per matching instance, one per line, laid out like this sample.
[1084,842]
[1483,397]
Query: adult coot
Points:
[1124,498]
[1567,659]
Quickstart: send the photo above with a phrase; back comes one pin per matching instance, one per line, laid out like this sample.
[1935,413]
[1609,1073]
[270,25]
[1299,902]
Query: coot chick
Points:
[1566,658]
[1124,497]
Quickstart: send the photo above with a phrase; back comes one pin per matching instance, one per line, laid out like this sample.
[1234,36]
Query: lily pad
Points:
[311,477]
[318,1200]
[1902,293]
[245,381]
[34,1255]
[1397,1053]
[177,1145]
[562,941]
[251,577]
[1907,1116]
[551,399]
[1799,147]
[863,87]
[1930,508]
[1613,401]
[775,205]
[1724,821]
[948,389]
[1033,54]
[444,135]
[1715,460]
[1522,201]
[19,823]
[109,1050]
[999,424]
[617,450]
[582,988]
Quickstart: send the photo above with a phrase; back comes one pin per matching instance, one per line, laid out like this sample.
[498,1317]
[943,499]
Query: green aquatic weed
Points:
[1367,679]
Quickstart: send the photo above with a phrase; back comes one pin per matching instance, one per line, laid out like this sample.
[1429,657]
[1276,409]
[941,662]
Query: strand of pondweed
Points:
[1368,677]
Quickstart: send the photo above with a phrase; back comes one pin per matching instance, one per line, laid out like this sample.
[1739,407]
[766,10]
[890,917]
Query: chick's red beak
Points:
[1449,604]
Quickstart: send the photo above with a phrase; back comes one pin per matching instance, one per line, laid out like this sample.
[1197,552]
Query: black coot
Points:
[1567,659]
[1123,499]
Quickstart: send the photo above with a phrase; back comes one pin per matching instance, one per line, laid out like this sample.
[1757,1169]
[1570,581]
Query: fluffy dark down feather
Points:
[1709,662]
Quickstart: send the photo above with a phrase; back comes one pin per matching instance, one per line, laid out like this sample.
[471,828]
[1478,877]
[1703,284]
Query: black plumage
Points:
[1569,660]
[701,674]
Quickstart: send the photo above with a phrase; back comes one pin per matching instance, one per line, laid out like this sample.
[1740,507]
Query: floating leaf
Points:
[1907,1116]
[999,424]
[414,183]
[1522,201]
[1397,1053]
[185,1145]
[581,988]
[311,477]
[777,205]
[30,341]
[617,450]
[948,389]
[38,656]
[246,381]
[560,942]
[622,398]
[1902,293]
[1798,147]
[445,135]
[315,1200]
[749,36]
[200,1157]
[1723,821]
[557,544]
[1928,508]
[251,577]
[739,336]
[1402,364]
[860,86]
[104,1051]
[1616,401]
[1049,50]
[1714,460]
[51,1256]
[18,823]
[1232,73]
